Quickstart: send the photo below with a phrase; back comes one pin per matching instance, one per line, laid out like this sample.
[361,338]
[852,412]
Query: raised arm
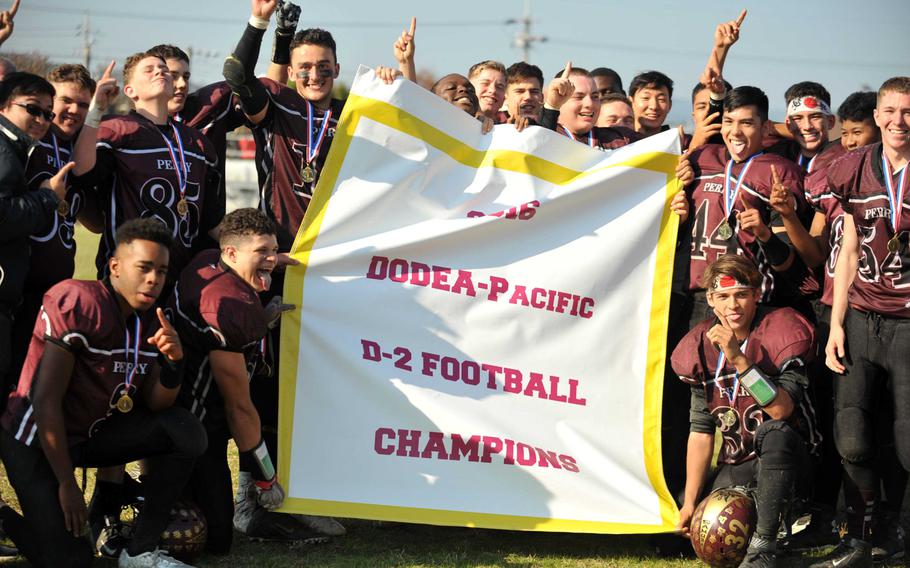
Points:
[404,52]
[6,21]
[286,17]
[239,67]
[84,150]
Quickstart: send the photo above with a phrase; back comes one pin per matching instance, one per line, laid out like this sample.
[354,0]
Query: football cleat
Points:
[110,535]
[323,525]
[154,559]
[266,526]
[850,553]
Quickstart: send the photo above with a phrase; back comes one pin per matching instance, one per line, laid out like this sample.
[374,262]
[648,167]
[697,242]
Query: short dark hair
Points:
[244,222]
[72,73]
[808,89]
[857,107]
[609,73]
[132,61]
[22,84]
[615,97]
[167,51]
[147,229]
[652,79]
[575,72]
[523,71]
[699,87]
[315,36]
[747,96]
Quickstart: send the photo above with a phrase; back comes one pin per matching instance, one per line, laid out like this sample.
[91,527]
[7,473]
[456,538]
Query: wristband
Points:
[93,118]
[776,250]
[258,23]
[758,385]
[265,477]
[171,372]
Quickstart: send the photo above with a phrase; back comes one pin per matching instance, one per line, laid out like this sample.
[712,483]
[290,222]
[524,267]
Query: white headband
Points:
[727,282]
[808,104]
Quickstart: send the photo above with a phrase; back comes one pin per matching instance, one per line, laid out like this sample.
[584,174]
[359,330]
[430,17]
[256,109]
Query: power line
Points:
[235,22]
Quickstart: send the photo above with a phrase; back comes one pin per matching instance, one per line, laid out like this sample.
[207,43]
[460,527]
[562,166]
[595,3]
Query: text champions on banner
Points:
[481,330]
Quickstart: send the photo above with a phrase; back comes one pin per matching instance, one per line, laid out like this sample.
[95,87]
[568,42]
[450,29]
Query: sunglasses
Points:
[37,111]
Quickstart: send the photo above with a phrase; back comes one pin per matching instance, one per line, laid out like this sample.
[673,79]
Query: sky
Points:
[845,45]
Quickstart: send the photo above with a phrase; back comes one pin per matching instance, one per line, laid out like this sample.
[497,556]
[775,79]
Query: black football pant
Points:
[827,482]
[778,474]
[209,487]
[877,349]
[170,441]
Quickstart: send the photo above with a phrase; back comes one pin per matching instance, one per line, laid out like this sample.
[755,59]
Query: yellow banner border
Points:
[358,107]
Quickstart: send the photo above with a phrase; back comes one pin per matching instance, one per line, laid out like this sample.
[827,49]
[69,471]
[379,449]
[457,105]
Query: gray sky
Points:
[845,45]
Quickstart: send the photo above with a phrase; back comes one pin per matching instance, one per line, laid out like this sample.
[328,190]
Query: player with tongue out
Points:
[217,312]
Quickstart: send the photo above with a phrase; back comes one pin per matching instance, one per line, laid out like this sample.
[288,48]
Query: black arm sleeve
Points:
[549,118]
[238,72]
[793,380]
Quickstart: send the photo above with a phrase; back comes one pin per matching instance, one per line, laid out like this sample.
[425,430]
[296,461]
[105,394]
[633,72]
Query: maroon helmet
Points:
[721,527]
[186,531]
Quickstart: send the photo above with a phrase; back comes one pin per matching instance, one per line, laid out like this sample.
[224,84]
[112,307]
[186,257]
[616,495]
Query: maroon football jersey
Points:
[882,282]
[54,251]
[822,200]
[780,339]
[281,147]
[84,317]
[706,196]
[214,111]
[135,176]
[213,310]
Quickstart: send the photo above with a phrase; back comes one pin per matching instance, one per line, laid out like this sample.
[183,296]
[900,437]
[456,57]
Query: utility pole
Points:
[88,40]
[524,39]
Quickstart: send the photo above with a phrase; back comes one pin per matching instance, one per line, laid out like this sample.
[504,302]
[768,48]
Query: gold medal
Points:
[308,174]
[725,231]
[63,208]
[728,418]
[894,244]
[124,403]
[183,207]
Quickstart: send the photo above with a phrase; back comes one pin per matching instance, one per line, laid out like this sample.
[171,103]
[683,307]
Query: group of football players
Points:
[785,327]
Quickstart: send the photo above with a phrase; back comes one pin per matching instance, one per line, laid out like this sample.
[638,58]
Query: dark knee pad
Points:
[185,430]
[777,444]
[853,435]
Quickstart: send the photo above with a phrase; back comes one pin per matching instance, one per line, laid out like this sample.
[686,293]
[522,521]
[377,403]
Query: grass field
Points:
[378,544]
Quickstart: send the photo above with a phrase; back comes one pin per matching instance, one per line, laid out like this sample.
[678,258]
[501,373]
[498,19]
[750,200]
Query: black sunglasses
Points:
[35,110]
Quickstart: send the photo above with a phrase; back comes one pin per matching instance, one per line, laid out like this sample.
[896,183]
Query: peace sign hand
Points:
[781,200]
[166,339]
[6,21]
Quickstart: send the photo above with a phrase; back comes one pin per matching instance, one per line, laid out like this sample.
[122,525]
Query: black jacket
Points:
[22,212]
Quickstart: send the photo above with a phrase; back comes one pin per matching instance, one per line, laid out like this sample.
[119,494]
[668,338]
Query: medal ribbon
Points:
[312,150]
[895,200]
[720,367]
[729,199]
[128,380]
[802,162]
[180,167]
[572,136]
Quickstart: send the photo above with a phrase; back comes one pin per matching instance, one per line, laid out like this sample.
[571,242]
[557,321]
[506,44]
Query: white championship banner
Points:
[481,325]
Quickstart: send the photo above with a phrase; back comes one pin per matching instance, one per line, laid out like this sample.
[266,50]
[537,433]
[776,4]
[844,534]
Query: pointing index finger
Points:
[413,27]
[14,9]
[164,323]
[565,74]
[723,320]
[742,16]
[109,70]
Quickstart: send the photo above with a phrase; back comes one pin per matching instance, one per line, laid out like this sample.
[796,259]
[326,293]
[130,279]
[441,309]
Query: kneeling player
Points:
[217,311]
[97,389]
[747,369]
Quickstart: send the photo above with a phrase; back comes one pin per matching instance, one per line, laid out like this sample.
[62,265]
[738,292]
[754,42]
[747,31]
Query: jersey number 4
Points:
[702,239]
